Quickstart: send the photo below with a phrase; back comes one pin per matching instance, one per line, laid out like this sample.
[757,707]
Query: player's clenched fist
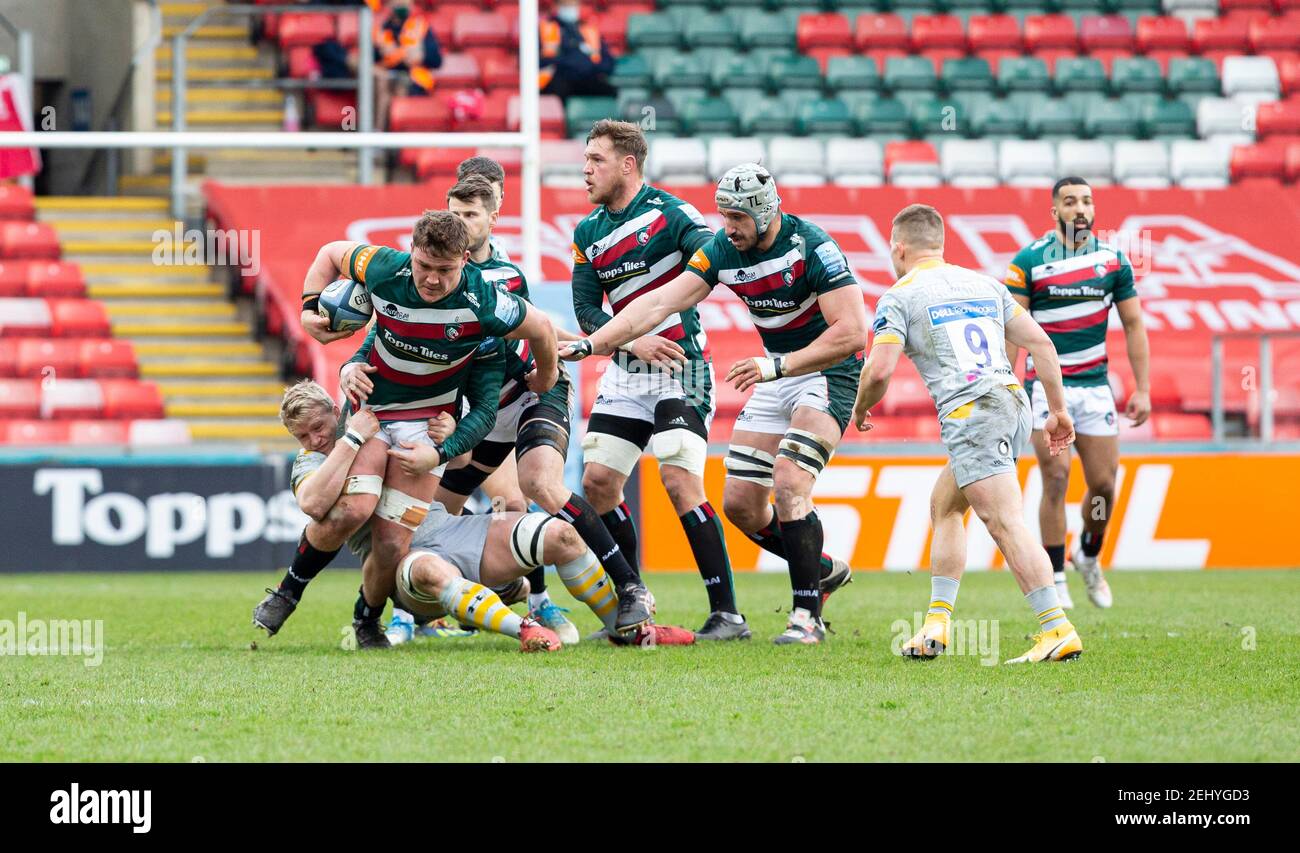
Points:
[319,328]
[748,372]
[441,427]
[539,383]
[355,382]
[1060,432]
[364,423]
[862,418]
[415,459]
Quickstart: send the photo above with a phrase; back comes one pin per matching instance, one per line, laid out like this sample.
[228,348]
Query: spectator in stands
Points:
[575,60]
[406,53]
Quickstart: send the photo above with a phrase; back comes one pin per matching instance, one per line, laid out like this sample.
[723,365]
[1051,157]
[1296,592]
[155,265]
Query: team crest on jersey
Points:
[1110,419]
[453,331]
[1099,269]
[643,236]
[787,277]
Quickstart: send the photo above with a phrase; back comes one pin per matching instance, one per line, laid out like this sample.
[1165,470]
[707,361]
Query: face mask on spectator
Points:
[568,14]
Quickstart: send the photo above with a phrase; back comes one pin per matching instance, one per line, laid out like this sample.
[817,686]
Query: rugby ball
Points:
[346,304]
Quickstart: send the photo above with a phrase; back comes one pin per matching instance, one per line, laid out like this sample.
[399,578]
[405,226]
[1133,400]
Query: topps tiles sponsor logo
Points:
[133,808]
[623,269]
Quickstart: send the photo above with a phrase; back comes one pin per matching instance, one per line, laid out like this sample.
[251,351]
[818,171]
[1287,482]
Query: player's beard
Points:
[1075,234]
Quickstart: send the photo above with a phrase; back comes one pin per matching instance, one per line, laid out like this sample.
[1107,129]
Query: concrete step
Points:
[114,228]
[164,329]
[135,310]
[107,247]
[177,369]
[251,388]
[240,431]
[225,349]
[225,95]
[209,31]
[233,53]
[148,290]
[223,410]
[118,270]
[228,119]
[222,73]
[99,204]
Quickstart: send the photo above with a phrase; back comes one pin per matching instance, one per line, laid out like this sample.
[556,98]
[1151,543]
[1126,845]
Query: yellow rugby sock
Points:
[474,604]
[586,581]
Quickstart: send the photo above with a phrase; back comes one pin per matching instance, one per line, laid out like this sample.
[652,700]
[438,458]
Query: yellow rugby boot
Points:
[1062,643]
[931,640]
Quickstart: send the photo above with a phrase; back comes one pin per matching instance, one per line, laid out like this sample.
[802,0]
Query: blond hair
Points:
[300,399]
[919,226]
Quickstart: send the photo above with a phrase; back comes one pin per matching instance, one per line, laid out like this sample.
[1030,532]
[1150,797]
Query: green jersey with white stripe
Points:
[625,254]
[781,285]
[1070,292]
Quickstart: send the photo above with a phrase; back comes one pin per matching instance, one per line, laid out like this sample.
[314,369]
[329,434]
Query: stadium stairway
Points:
[188,336]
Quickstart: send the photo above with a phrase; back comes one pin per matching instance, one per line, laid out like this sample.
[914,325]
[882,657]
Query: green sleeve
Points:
[499,312]
[1125,287]
[689,228]
[827,269]
[376,265]
[482,390]
[588,296]
[704,262]
[1017,278]
[363,354]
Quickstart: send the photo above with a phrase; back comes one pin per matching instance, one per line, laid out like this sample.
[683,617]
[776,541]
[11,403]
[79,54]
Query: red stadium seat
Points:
[1291,168]
[823,55]
[304,29]
[1163,57]
[418,113]
[1278,118]
[937,32]
[1281,33]
[1221,34]
[107,358]
[908,151]
[1288,70]
[439,162]
[1162,33]
[20,398]
[55,279]
[16,203]
[126,398]
[68,399]
[500,72]
[1107,57]
[1049,57]
[481,29]
[552,116]
[1261,160]
[994,32]
[994,57]
[331,107]
[1232,6]
[96,432]
[1106,32]
[8,356]
[881,56]
[13,278]
[495,109]
[823,30]
[877,31]
[50,359]
[302,63]
[28,240]
[34,433]
[612,23]
[1050,32]
[25,318]
[348,29]
[78,318]
[1181,426]
[940,56]
[458,71]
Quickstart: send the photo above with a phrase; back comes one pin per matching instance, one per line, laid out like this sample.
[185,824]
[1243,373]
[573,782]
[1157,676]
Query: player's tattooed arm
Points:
[640,316]
[1023,331]
[331,262]
[1138,408]
[874,381]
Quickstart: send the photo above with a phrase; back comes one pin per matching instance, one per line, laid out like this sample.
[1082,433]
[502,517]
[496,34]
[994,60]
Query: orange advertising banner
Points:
[1172,512]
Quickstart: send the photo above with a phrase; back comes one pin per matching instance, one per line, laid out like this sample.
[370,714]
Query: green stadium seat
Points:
[824,116]
[734,70]
[708,115]
[692,7]
[768,117]
[1109,120]
[761,56]
[767,29]
[967,101]
[680,96]
[935,117]
[885,117]
[582,113]
[636,96]
[1135,7]
[680,70]
[993,118]
[741,99]
[967,75]
[785,73]
[1079,74]
[658,115]
[631,71]
[708,31]
[1193,74]
[1168,119]
[1139,102]
[1137,74]
[914,73]
[858,101]
[1023,74]
[1083,101]
[652,31]
[1054,118]
[845,73]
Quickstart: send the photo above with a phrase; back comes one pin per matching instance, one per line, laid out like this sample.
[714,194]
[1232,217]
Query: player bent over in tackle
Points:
[432,316]
[954,324]
[811,318]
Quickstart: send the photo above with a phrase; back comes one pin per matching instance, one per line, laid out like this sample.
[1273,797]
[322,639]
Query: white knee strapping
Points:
[404,578]
[528,539]
[749,463]
[400,508]
[364,484]
[682,448]
[610,451]
[809,451]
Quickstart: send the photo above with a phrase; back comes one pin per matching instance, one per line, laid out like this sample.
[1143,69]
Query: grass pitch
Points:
[1188,666]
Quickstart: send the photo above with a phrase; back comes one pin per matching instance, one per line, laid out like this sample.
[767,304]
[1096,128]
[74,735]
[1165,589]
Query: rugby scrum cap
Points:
[750,189]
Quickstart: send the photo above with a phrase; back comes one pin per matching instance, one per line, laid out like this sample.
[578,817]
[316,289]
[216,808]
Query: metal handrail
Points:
[1265,385]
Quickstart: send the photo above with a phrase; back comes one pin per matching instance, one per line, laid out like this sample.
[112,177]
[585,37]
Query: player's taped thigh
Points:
[400,508]
[541,430]
[749,464]
[364,484]
[610,451]
[405,582]
[680,436]
[528,539]
[808,450]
